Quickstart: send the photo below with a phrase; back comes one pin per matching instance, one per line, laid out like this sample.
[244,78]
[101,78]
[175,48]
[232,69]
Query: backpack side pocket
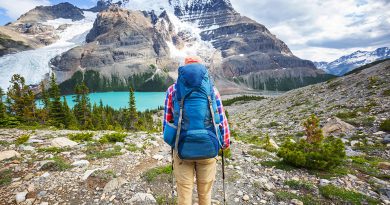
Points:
[170,134]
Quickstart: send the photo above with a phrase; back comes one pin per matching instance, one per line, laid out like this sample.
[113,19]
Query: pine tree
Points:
[56,112]
[70,119]
[132,111]
[2,106]
[313,130]
[82,107]
[43,114]
[21,99]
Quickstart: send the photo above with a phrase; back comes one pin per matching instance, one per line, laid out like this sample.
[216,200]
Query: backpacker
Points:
[194,133]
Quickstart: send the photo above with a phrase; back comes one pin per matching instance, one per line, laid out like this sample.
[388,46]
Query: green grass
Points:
[5,177]
[259,154]
[307,199]
[347,115]
[152,174]
[244,98]
[104,174]
[278,165]
[113,137]
[93,152]
[385,125]
[227,153]
[345,196]
[22,139]
[81,137]
[133,148]
[163,200]
[386,92]
[4,143]
[52,149]
[328,174]
[300,185]
[59,164]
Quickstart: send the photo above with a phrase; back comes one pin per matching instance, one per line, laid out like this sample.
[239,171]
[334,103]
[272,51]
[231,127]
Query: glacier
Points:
[33,65]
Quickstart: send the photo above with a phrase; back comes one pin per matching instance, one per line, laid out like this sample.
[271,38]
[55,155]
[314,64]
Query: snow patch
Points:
[33,65]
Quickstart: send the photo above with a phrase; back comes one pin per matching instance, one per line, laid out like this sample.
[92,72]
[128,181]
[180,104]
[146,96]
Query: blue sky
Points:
[319,30]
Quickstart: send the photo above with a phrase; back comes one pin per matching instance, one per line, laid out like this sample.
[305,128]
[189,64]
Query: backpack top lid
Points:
[192,75]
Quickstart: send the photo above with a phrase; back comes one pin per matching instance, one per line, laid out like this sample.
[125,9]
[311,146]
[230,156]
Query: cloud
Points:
[330,26]
[14,9]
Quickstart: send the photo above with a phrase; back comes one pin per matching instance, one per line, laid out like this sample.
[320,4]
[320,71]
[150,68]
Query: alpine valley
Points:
[114,45]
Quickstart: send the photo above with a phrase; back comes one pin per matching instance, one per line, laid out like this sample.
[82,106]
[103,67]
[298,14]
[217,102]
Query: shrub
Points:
[58,164]
[81,137]
[113,137]
[99,154]
[5,177]
[22,139]
[244,98]
[385,125]
[300,185]
[347,197]
[314,152]
[151,174]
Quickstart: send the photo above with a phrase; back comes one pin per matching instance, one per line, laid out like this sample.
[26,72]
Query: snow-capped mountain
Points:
[143,42]
[354,60]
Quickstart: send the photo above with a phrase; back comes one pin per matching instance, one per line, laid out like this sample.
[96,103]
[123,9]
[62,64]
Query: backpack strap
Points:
[213,118]
[179,123]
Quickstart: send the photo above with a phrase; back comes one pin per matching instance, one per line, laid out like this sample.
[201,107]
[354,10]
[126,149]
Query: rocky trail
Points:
[135,176]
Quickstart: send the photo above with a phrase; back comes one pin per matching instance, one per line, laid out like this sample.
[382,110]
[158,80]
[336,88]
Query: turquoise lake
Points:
[143,100]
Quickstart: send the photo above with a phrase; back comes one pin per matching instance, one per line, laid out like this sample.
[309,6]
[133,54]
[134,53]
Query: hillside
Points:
[62,166]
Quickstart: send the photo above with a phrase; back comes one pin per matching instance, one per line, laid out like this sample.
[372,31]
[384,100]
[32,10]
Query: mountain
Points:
[349,62]
[142,44]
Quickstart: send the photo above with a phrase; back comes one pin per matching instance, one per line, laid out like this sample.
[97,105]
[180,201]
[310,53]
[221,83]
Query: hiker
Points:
[196,128]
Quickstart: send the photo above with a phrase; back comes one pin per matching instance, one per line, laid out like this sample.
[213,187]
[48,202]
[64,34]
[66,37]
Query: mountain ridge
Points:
[239,46]
[348,63]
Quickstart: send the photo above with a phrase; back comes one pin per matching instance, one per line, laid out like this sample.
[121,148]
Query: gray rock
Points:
[114,184]
[26,148]
[336,125]
[20,197]
[324,182]
[81,163]
[8,154]
[63,142]
[386,139]
[142,198]
[296,202]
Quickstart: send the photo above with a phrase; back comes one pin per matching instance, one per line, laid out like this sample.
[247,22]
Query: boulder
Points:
[63,142]
[142,198]
[336,125]
[296,202]
[8,154]
[80,163]
[114,184]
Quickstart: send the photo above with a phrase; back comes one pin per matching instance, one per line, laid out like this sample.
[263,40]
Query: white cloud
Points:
[14,9]
[323,30]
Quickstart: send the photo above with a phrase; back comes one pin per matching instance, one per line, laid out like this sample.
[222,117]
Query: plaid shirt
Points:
[224,126]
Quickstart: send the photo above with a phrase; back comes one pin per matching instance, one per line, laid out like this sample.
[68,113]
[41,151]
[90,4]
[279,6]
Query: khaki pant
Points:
[185,171]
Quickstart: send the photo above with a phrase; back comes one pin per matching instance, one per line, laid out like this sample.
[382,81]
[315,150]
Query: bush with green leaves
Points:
[22,139]
[113,137]
[81,137]
[315,152]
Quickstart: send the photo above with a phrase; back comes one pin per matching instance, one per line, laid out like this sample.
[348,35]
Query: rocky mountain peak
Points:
[43,13]
[192,7]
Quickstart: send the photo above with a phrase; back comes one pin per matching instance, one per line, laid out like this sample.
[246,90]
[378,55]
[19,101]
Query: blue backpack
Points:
[194,133]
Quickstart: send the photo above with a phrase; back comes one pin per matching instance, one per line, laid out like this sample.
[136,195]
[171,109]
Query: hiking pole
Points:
[172,184]
[223,178]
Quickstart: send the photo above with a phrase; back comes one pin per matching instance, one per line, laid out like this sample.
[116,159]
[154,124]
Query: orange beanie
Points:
[192,59]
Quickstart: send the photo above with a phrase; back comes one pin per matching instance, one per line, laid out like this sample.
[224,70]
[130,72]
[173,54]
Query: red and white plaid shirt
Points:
[223,125]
